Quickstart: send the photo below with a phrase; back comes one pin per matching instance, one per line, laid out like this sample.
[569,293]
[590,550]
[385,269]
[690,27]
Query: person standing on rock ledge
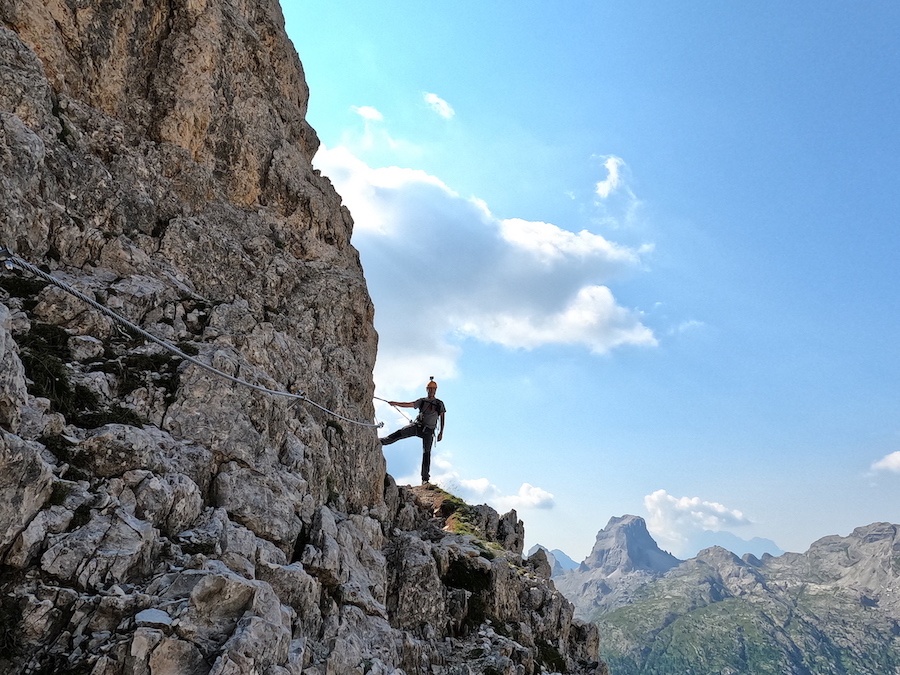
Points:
[431,411]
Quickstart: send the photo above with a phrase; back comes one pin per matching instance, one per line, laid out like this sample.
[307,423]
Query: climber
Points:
[431,410]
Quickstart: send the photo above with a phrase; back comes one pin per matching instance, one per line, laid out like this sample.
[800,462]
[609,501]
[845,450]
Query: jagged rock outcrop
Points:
[833,609]
[156,518]
[624,558]
[558,561]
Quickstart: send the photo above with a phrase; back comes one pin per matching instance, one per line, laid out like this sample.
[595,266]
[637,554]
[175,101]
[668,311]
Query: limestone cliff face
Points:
[156,518]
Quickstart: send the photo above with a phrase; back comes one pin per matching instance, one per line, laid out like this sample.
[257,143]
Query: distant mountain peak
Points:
[833,609]
[718,554]
[625,545]
[756,546]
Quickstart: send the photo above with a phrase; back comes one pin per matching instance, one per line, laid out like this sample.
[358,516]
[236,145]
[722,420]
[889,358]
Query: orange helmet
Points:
[431,383]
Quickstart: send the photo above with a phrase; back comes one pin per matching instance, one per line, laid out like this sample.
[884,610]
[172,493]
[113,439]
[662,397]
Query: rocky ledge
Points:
[133,571]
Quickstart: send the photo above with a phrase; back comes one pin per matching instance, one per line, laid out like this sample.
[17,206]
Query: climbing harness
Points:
[11,261]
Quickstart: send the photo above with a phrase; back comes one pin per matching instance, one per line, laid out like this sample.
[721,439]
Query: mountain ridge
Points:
[832,609]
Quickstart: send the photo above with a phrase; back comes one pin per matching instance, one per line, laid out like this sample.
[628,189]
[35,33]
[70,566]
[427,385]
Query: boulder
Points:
[26,481]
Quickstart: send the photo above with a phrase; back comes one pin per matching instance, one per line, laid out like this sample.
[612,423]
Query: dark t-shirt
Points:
[430,410]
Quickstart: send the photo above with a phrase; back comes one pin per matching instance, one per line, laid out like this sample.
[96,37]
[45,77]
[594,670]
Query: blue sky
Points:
[648,250]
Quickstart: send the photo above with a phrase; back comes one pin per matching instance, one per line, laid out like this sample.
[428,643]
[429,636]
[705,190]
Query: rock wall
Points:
[156,518]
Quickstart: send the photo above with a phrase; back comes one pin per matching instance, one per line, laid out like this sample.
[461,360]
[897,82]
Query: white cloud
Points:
[368,113]
[441,267]
[550,243]
[687,326]
[368,192]
[592,319]
[482,490]
[373,136]
[890,462]
[439,105]
[608,185]
[528,497]
[407,457]
[616,204]
[476,486]
[674,520]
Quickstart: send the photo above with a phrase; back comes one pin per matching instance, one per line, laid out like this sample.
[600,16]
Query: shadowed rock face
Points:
[156,518]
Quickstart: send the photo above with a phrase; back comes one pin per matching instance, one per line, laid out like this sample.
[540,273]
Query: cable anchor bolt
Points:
[7,257]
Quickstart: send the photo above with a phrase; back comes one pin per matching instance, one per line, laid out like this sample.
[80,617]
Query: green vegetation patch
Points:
[10,617]
[48,339]
[62,450]
[81,517]
[61,492]
[206,547]
[43,352]
[23,287]
[549,656]
[53,664]
[460,518]
[740,636]
[134,371]
[112,414]
[188,348]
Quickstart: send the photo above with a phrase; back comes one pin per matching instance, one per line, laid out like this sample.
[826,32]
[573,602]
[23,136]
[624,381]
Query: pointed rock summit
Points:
[624,558]
[625,545]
